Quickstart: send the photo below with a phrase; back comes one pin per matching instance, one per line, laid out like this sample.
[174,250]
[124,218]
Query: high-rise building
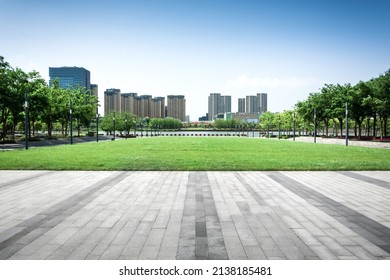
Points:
[144,103]
[219,104]
[70,77]
[251,104]
[158,107]
[213,104]
[129,103]
[262,102]
[95,90]
[226,103]
[241,105]
[256,103]
[112,101]
[176,107]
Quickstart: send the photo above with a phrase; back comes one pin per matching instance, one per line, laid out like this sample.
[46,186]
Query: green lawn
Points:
[197,153]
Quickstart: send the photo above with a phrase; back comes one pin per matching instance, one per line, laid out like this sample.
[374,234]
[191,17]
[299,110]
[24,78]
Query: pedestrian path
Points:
[194,215]
[338,141]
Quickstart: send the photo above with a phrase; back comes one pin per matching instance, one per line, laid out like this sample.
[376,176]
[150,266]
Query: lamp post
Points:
[26,119]
[113,118]
[71,123]
[315,126]
[97,123]
[279,127]
[346,123]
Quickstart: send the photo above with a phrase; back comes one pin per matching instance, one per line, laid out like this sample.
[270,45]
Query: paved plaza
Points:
[194,215]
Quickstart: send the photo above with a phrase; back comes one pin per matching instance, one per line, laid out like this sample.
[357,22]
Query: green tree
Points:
[57,99]
[18,89]
[37,99]
[357,108]
[84,107]
[5,94]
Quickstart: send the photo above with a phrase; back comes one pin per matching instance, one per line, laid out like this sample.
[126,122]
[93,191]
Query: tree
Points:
[18,89]
[83,105]
[382,100]
[5,94]
[37,99]
[338,96]
[358,109]
[57,108]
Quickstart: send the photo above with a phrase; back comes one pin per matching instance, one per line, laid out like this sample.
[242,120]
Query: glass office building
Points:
[70,77]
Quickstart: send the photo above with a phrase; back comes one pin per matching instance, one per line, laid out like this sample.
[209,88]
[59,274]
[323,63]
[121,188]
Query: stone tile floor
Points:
[194,215]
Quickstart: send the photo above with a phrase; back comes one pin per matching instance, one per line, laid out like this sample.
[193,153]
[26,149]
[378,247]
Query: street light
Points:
[71,121]
[97,124]
[26,119]
[346,123]
[315,126]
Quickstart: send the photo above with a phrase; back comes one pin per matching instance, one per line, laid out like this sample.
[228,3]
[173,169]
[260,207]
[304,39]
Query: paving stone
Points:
[194,215]
[234,248]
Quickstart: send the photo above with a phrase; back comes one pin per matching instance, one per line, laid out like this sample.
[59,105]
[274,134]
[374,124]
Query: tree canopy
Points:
[48,105]
[368,103]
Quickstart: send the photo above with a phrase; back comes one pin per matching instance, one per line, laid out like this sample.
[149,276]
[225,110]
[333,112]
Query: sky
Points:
[287,49]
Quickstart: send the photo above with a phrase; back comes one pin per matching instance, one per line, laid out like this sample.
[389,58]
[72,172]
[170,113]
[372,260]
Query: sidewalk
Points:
[53,142]
[194,215]
[369,144]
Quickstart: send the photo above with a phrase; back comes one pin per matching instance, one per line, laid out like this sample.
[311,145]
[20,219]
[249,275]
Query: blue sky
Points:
[159,47]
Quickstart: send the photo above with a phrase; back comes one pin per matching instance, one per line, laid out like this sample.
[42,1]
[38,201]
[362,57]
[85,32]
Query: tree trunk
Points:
[326,123]
[341,126]
[368,126]
[33,127]
[374,127]
[49,128]
[4,121]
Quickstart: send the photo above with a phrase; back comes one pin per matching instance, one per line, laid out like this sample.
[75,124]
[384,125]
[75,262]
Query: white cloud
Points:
[244,81]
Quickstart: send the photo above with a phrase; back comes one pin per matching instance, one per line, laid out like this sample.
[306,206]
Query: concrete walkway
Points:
[194,215]
[336,141]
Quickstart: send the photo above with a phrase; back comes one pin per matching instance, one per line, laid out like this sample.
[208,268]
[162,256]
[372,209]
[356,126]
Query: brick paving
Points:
[194,215]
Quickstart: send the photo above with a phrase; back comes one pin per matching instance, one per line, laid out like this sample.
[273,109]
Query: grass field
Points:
[197,153]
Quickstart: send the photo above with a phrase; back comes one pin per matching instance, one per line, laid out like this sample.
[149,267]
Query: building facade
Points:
[128,103]
[241,105]
[218,104]
[95,90]
[245,117]
[176,107]
[256,103]
[70,77]
[112,101]
[158,107]
[144,105]
[262,102]
[251,104]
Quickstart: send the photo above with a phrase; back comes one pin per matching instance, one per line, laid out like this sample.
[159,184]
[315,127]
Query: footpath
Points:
[320,140]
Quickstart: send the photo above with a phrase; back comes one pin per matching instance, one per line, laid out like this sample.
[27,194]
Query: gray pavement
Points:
[194,215]
[337,141]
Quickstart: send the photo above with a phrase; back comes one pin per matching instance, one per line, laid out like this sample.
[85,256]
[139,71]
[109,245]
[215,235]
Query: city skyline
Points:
[288,49]
[144,105]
